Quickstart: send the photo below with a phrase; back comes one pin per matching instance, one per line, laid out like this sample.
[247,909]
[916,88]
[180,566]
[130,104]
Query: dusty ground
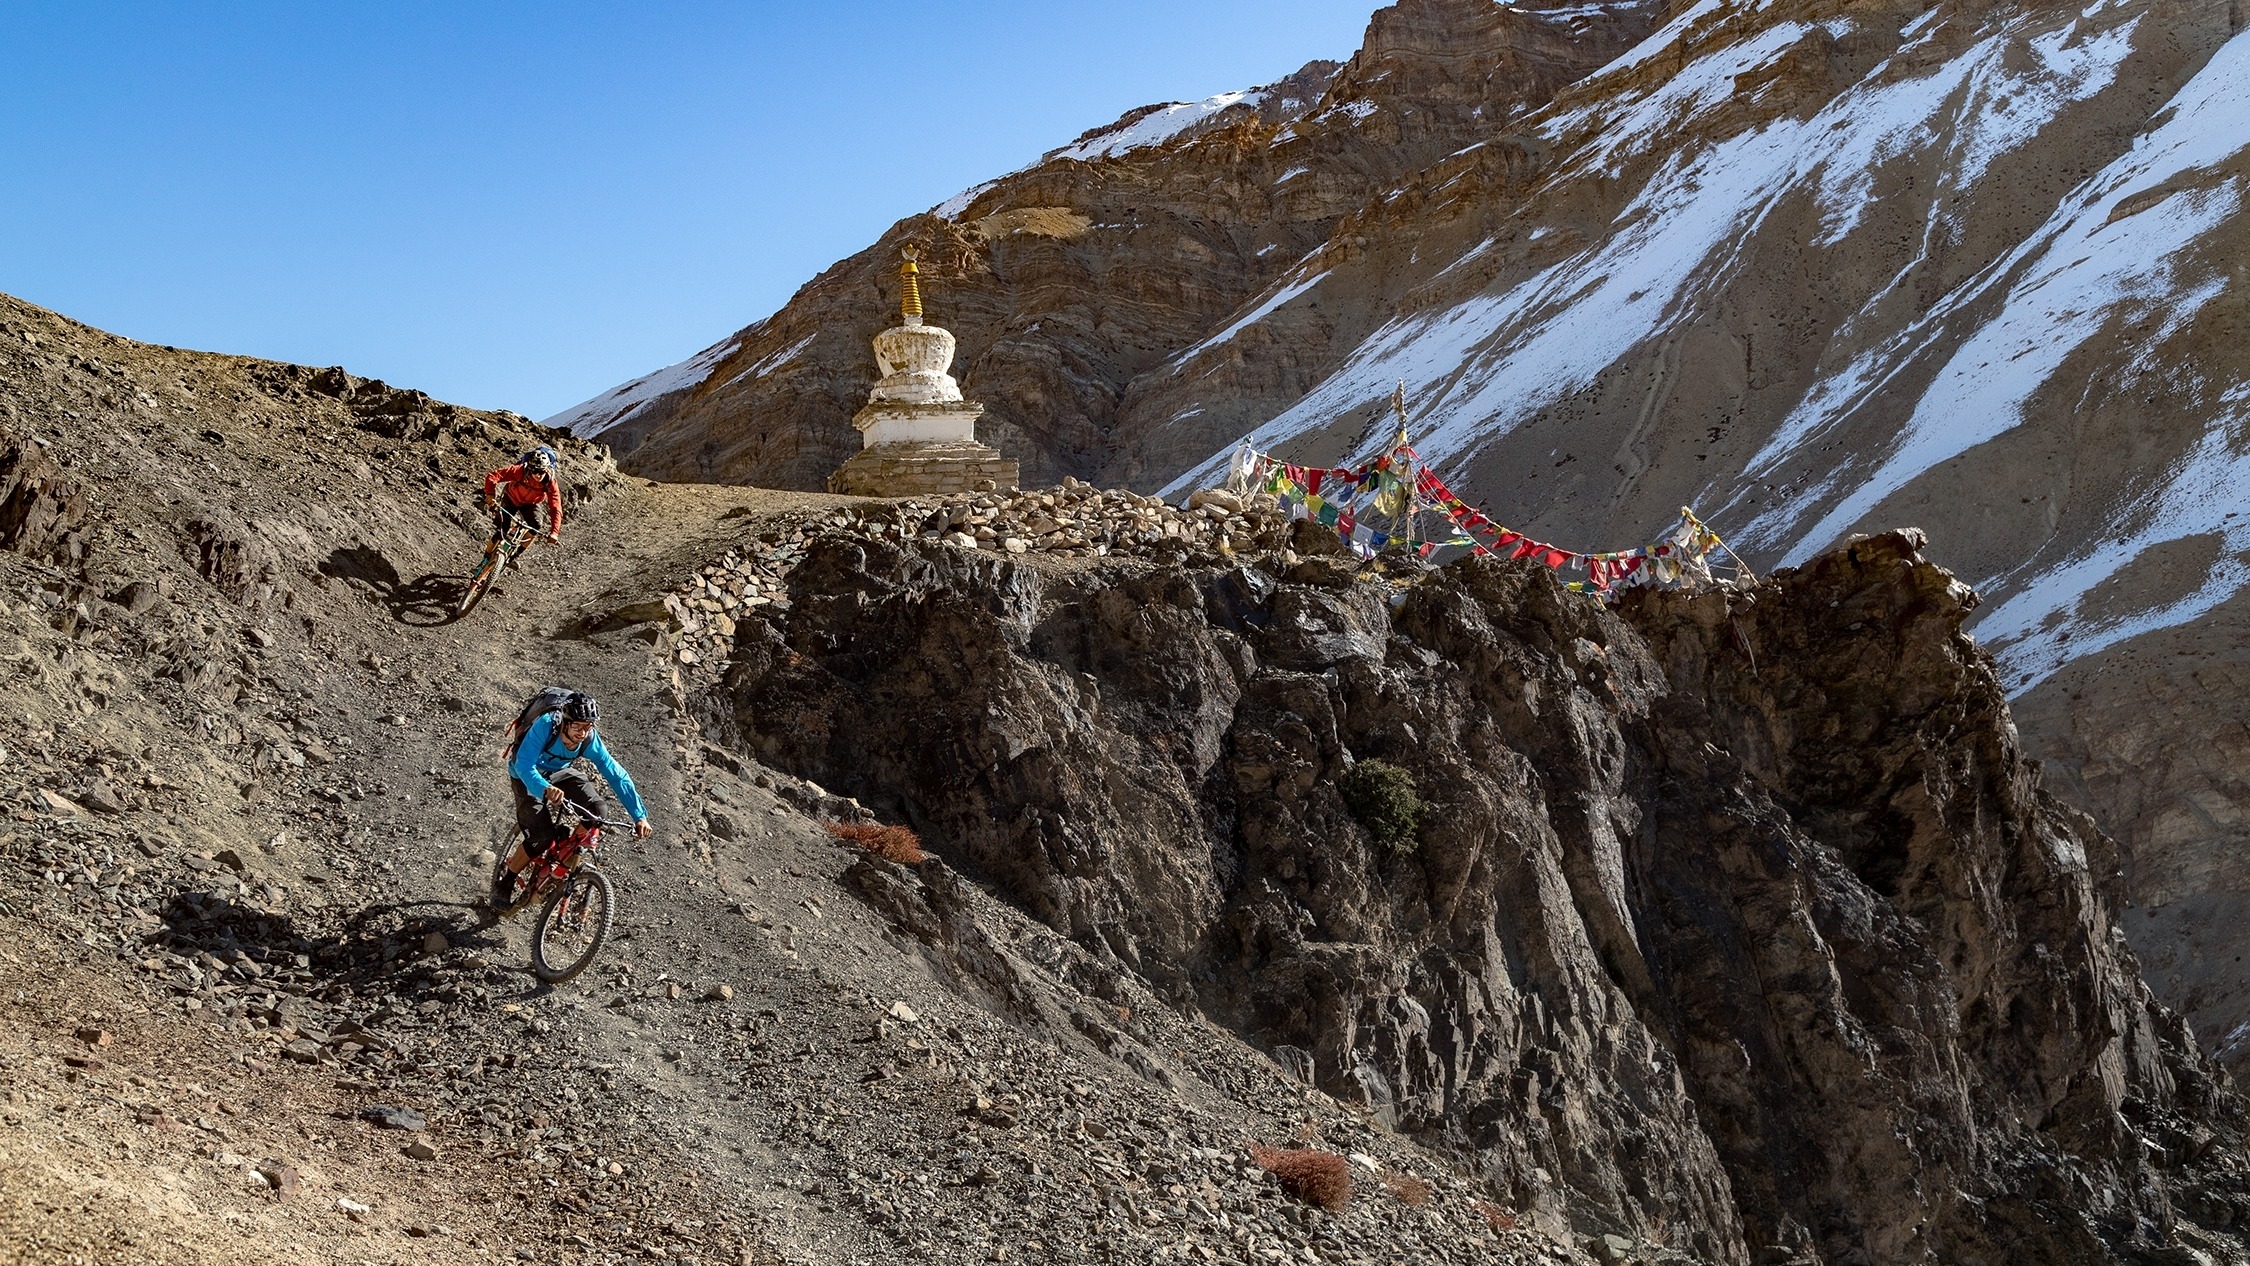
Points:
[245,815]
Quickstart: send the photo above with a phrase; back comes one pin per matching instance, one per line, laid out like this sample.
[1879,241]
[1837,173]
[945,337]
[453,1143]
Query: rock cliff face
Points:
[1814,267]
[1740,920]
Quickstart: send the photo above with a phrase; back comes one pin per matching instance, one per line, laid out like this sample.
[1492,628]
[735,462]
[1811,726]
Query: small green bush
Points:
[1381,796]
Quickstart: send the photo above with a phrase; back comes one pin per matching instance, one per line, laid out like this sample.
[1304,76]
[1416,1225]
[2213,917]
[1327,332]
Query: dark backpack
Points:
[549,699]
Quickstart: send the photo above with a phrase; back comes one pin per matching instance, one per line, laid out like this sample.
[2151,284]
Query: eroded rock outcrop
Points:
[41,508]
[1737,921]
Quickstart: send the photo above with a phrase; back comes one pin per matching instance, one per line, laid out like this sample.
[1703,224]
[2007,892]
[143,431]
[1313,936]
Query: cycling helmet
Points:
[581,707]
[541,461]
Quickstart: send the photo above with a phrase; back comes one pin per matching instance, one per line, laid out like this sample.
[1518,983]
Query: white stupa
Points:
[918,436]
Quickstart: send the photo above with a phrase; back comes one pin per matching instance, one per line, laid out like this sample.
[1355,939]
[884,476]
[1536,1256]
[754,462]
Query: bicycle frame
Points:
[515,540]
[501,549]
[560,861]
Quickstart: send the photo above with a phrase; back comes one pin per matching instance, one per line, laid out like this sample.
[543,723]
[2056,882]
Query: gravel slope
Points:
[245,817]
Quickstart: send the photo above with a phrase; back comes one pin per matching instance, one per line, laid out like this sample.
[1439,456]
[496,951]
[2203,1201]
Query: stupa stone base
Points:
[924,470]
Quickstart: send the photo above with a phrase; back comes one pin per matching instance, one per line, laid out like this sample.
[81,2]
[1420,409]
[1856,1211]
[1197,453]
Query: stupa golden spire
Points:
[910,283]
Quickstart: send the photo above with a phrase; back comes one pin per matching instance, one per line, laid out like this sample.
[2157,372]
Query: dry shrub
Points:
[1409,1189]
[1315,1177]
[891,843]
[1497,1218]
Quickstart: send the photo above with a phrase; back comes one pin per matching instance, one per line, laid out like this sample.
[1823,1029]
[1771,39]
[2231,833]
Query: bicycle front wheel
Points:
[572,926]
[480,584]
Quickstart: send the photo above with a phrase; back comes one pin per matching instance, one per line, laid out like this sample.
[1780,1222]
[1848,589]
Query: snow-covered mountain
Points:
[1998,238]
[1812,266]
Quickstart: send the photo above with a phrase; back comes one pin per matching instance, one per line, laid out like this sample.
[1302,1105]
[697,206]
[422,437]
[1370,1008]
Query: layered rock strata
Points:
[1736,921]
[1069,281]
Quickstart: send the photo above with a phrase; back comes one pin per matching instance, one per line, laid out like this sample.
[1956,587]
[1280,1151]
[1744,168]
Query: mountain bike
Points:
[580,903]
[502,549]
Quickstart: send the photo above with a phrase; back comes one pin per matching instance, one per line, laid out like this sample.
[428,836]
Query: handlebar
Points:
[578,815]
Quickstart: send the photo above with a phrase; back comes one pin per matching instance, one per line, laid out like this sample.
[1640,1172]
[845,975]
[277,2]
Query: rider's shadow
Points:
[429,600]
[383,943]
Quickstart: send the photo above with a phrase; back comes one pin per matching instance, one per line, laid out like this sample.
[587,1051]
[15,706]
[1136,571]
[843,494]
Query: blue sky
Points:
[519,205]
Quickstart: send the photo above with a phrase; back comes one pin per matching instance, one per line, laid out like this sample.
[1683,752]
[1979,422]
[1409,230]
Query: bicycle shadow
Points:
[430,600]
[372,976]
[426,601]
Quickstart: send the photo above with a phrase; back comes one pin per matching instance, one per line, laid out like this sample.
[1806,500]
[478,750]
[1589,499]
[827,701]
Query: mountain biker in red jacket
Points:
[512,492]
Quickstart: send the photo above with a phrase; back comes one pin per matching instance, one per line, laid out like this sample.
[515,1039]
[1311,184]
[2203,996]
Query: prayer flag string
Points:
[1375,507]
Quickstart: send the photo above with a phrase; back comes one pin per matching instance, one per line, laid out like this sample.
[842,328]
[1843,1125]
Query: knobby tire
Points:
[580,933]
[480,584]
[500,867]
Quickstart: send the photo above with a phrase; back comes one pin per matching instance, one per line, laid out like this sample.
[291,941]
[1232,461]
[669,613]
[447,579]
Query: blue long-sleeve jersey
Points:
[543,753]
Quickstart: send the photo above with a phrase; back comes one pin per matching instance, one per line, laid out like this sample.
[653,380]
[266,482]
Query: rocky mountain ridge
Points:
[1814,268]
[258,793]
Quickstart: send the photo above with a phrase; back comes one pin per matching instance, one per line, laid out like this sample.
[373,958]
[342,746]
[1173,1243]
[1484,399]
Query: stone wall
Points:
[923,470]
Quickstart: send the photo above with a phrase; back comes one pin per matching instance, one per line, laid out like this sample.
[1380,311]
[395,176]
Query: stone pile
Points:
[704,610]
[1080,520]
[1073,520]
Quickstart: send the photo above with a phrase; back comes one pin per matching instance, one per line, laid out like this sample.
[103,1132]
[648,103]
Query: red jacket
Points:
[521,489]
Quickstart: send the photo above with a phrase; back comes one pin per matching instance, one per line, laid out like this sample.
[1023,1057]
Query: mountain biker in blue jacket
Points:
[543,780]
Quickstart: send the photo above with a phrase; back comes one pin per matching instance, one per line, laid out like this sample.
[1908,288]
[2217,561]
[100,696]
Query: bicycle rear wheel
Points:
[572,926]
[500,869]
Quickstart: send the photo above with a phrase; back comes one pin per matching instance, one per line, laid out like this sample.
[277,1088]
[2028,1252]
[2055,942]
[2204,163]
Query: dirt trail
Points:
[248,779]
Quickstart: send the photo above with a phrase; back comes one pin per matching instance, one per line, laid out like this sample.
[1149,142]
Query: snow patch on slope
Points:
[2038,629]
[1276,299]
[1576,14]
[2001,106]
[952,207]
[1621,129]
[1665,37]
[1483,366]
[1156,127]
[2088,266]
[2128,272]
[773,360]
[590,419]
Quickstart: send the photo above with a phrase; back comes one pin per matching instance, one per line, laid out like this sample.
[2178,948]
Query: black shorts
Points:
[507,515]
[531,815]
